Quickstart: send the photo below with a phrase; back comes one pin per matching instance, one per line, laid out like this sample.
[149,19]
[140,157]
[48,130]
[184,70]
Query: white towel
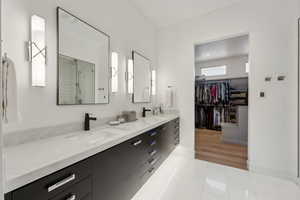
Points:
[170,97]
[9,91]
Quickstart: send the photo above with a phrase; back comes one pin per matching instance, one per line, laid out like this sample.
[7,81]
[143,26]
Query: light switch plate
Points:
[268,79]
[280,78]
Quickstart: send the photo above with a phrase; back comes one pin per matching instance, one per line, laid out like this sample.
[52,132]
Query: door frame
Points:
[298,103]
[1,135]
[224,37]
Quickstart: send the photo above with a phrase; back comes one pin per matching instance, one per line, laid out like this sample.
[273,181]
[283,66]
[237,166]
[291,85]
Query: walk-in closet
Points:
[221,101]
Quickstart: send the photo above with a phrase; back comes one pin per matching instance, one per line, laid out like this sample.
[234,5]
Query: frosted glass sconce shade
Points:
[114,71]
[130,76]
[37,51]
[153,82]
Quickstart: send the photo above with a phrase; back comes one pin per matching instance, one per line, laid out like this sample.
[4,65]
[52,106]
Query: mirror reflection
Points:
[83,62]
[142,78]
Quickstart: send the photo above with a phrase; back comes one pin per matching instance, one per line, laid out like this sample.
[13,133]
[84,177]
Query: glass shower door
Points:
[76,82]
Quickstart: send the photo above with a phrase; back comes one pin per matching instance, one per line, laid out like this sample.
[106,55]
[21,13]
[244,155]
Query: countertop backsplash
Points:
[29,135]
[24,136]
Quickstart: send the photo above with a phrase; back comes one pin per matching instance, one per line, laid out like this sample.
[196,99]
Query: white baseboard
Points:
[185,152]
[298,181]
[273,172]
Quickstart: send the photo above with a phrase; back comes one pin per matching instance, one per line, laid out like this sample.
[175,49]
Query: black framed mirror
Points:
[83,58]
[141,78]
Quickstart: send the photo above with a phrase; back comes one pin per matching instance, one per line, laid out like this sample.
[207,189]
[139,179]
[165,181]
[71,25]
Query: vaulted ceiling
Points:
[168,12]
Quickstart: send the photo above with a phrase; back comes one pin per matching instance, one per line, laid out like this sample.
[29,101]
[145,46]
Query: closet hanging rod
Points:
[224,79]
[213,82]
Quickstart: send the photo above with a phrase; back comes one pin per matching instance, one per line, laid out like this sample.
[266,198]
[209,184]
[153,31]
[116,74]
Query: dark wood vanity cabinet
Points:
[56,184]
[115,171]
[114,174]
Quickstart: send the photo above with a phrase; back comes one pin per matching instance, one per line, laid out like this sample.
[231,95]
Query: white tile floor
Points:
[180,178]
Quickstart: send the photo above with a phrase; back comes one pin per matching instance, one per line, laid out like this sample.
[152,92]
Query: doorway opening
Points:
[221,101]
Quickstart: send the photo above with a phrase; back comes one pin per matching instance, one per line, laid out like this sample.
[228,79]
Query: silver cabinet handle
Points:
[153,134]
[153,162]
[73,197]
[137,143]
[61,183]
[152,153]
[151,169]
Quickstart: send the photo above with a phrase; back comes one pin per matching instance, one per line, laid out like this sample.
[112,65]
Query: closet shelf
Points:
[211,105]
[238,91]
[227,93]
[237,98]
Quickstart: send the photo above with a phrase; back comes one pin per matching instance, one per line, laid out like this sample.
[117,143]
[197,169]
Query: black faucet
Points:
[87,120]
[145,110]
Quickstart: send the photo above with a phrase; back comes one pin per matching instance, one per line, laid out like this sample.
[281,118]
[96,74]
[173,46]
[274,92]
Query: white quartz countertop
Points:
[28,162]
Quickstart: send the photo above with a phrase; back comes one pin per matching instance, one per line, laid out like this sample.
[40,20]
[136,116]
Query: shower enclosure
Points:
[77,82]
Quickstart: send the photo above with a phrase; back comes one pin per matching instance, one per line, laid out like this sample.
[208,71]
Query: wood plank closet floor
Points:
[209,147]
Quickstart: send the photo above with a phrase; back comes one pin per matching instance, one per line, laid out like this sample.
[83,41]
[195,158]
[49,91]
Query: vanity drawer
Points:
[147,173]
[79,191]
[51,185]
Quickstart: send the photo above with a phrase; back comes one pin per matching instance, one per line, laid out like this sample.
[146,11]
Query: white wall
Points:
[235,67]
[128,31]
[1,135]
[299,101]
[272,25]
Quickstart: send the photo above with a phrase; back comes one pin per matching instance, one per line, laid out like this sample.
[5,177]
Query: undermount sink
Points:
[113,130]
[138,124]
[152,120]
[105,133]
[127,126]
[93,135]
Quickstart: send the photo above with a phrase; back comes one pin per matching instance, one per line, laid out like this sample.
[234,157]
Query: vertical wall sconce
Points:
[114,71]
[37,51]
[129,76]
[153,82]
[247,68]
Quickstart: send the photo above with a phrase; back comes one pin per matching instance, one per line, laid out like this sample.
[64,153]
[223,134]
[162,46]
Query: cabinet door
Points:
[174,131]
[116,170]
[169,138]
[7,196]
[163,143]
[88,197]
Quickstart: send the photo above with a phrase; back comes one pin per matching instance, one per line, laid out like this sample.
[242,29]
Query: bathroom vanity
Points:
[110,163]
[106,162]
